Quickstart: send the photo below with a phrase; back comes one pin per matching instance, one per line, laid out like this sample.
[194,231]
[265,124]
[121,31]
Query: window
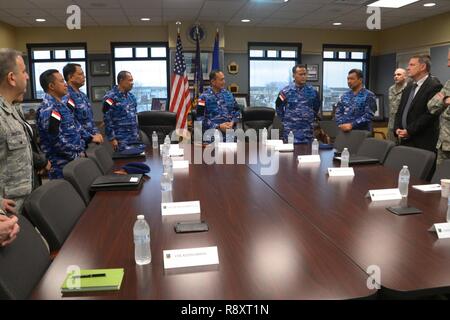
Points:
[270,66]
[338,60]
[54,56]
[148,64]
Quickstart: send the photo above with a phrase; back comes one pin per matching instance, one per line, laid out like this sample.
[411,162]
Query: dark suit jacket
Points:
[422,126]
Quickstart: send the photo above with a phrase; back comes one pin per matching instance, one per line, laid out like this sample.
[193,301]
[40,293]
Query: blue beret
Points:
[136,167]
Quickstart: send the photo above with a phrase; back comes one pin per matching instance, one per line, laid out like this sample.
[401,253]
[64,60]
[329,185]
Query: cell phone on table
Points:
[184,227]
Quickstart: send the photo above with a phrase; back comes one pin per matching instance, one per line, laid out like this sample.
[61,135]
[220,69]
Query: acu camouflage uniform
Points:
[395,95]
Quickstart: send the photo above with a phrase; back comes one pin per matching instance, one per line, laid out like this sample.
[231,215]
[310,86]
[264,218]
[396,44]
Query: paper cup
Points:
[445,187]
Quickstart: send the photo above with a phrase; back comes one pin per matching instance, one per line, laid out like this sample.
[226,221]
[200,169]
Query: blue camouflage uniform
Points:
[297,108]
[59,133]
[120,117]
[83,113]
[356,109]
[214,109]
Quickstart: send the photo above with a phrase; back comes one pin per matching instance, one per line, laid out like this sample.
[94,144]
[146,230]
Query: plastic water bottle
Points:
[448,210]
[166,188]
[264,136]
[345,158]
[291,138]
[403,181]
[315,147]
[167,140]
[168,166]
[141,234]
[154,140]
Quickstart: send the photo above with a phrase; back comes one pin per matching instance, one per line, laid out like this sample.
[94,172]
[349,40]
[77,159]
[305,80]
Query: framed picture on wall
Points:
[100,68]
[317,88]
[241,99]
[29,108]
[379,114]
[98,92]
[313,72]
[206,60]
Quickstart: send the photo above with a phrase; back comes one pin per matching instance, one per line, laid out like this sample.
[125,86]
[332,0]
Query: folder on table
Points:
[112,182]
[93,280]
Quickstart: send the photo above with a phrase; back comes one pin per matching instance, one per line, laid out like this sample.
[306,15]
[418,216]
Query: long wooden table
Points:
[412,261]
[267,250]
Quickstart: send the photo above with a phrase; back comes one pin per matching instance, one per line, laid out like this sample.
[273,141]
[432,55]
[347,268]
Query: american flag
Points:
[179,96]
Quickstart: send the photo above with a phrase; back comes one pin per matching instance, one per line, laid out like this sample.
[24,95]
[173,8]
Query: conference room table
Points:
[267,247]
[412,261]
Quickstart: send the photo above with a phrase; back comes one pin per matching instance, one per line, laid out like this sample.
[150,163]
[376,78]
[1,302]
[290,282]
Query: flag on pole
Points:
[198,75]
[179,95]
[215,56]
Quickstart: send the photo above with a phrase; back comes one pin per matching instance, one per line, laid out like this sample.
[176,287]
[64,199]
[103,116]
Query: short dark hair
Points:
[298,65]
[122,75]
[424,59]
[46,78]
[70,69]
[358,73]
[213,74]
[8,62]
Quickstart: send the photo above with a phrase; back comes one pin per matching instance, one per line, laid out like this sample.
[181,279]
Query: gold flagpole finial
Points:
[178,23]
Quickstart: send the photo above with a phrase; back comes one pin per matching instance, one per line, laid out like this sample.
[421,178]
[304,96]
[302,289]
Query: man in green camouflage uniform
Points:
[16,164]
[439,105]
[395,94]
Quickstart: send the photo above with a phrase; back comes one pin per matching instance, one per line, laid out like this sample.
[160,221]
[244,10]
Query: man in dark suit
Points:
[414,124]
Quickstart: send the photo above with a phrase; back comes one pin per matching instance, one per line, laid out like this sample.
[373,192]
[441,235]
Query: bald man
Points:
[395,94]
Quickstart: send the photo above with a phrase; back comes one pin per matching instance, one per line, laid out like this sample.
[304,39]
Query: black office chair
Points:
[375,148]
[102,157]
[22,263]
[81,173]
[330,128]
[54,208]
[419,161]
[258,118]
[162,122]
[351,140]
[442,172]
[144,138]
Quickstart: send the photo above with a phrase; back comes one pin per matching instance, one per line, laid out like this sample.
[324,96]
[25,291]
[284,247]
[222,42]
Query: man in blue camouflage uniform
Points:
[297,106]
[59,131]
[74,76]
[216,107]
[356,107]
[120,113]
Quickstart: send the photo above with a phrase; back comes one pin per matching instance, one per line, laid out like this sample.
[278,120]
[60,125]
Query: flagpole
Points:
[178,23]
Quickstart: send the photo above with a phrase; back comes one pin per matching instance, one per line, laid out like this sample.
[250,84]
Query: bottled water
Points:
[403,181]
[345,158]
[448,210]
[141,234]
[291,138]
[315,147]
[154,140]
[166,188]
[264,136]
[168,166]
[167,140]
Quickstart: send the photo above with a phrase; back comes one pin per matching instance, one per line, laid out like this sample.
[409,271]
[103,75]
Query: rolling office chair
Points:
[419,161]
[102,157]
[442,172]
[375,148]
[351,140]
[162,122]
[258,118]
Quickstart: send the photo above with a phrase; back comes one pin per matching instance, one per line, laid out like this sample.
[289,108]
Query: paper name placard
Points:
[180,164]
[428,187]
[309,159]
[284,147]
[190,257]
[184,207]
[341,172]
[134,179]
[384,194]
[272,143]
[442,230]
[227,145]
[176,152]
[172,147]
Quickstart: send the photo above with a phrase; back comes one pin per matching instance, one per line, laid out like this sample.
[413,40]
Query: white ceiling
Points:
[266,13]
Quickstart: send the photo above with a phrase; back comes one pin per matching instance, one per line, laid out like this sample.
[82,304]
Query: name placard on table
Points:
[428,187]
[285,147]
[227,145]
[384,194]
[442,230]
[309,158]
[341,172]
[180,164]
[272,143]
[183,207]
[190,257]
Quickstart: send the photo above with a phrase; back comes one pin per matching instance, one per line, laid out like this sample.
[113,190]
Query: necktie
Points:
[408,105]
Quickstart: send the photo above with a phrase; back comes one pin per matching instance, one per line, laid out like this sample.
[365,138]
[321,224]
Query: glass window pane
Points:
[288,54]
[256,53]
[328,54]
[77,54]
[150,80]
[342,55]
[158,52]
[357,55]
[40,67]
[267,78]
[335,81]
[123,52]
[272,53]
[41,54]
[60,54]
[141,52]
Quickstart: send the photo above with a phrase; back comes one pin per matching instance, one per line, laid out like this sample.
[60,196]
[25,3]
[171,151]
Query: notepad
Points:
[111,281]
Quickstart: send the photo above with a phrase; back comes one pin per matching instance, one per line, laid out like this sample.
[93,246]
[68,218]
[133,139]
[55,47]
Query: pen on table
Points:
[95,275]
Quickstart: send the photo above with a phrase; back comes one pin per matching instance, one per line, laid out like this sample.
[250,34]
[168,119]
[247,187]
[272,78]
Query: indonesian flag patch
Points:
[71,103]
[56,115]
[201,102]
[109,101]
[282,96]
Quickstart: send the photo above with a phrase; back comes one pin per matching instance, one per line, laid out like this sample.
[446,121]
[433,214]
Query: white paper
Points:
[341,172]
[442,230]
[428,187]
[134,179]
[272,143]
[180,164]
[309,158]
[172,147]
[184,207]
[190,257]
[385,194]
[284,147]
[176,152]
[227,145]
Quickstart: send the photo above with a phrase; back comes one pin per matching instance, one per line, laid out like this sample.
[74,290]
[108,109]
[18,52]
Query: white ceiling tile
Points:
[52,4]
[113,13]
[174,4]
[98,4]
[16,4]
